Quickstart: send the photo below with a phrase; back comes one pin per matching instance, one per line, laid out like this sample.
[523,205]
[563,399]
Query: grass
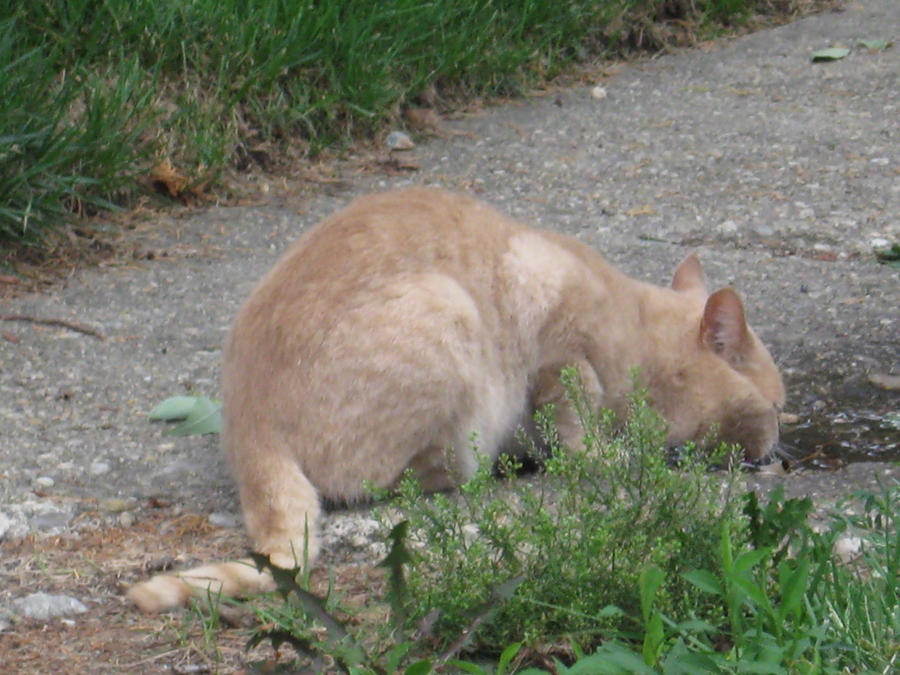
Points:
[96,94]
[612,560]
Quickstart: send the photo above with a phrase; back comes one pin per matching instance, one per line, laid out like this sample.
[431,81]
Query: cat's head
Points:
[724,379]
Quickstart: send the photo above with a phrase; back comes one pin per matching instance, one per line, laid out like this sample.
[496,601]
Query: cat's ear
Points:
[723,327]
[689,275]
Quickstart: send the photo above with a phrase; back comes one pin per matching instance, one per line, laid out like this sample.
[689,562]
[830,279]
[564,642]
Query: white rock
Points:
[5,523]
[44,481]
[222,519]
[847,548]
[99,468]
[397,140]
[728,227]
[879,242]
[43,606]
[598,93]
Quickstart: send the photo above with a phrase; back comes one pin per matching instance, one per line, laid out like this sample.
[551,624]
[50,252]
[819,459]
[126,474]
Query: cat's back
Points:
[352,258]
[396,232]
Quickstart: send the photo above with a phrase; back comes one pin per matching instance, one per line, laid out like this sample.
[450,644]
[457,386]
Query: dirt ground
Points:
[781,172]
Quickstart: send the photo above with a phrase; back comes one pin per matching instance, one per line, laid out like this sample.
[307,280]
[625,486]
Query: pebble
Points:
[847,548]
[51,522]
[885,381]
[728,227]
[397,140]
[598,93]
[116,505]
[44,481]
[99,468]
[5,524]
[223,519]
[43,606]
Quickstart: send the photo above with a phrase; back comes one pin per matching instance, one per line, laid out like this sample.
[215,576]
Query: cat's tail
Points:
[235,578]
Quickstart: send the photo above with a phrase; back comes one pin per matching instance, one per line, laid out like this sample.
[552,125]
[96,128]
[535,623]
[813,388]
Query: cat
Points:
[411,319]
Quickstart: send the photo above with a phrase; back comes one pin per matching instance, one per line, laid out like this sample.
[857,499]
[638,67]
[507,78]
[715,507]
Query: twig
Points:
[71,325]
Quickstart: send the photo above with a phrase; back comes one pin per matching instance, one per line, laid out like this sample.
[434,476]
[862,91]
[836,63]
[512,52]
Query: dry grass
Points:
[96,565]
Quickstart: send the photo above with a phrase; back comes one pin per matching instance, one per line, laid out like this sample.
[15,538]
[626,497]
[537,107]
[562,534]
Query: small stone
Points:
[879,242]
[728,227]
[50,522]
[222,519]
[43,606]
[44,481]
[99,468]
[116,505]
[885,381]
[397,140]
[126,519]
[598,93]
[5,524]
[847,548]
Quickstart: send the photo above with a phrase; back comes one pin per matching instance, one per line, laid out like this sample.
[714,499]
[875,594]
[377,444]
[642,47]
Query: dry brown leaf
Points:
[166,176]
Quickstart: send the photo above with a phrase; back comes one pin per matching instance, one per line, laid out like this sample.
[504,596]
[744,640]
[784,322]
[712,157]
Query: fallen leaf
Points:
[875,45]
[830,54]
[165,175]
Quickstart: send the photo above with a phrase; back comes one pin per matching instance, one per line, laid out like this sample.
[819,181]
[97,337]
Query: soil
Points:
[781,172]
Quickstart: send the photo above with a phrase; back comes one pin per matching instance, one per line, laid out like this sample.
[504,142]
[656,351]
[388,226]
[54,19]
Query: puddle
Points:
[844,437]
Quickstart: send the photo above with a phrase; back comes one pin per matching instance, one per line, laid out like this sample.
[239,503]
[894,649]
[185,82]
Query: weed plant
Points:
[792,606]
[95,92]
[578,536]
[613,559]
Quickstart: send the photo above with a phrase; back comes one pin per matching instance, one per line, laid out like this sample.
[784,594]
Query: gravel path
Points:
[781,172]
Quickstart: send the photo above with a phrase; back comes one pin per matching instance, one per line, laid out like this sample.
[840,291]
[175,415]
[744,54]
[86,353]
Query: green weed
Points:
[615,559]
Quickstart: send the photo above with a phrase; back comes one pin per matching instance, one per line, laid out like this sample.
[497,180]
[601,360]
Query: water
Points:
[830,440]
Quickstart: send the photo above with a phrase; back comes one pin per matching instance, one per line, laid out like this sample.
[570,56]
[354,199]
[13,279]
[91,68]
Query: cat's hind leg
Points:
[281,510]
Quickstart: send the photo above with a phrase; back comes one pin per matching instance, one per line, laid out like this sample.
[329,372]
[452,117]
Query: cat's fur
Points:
[399,326]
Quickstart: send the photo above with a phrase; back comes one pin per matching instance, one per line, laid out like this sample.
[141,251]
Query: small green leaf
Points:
[507,656]
[653,639]
[650,580]
[830,54]
[793,577]
[205,417]
[705,581]
[892,419]
[419,668]
[875,45]
[888,255]
[611,658]
[174,408]
[396,655]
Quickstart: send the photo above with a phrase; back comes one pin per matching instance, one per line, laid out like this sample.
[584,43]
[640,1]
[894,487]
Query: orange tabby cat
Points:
[393,330]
